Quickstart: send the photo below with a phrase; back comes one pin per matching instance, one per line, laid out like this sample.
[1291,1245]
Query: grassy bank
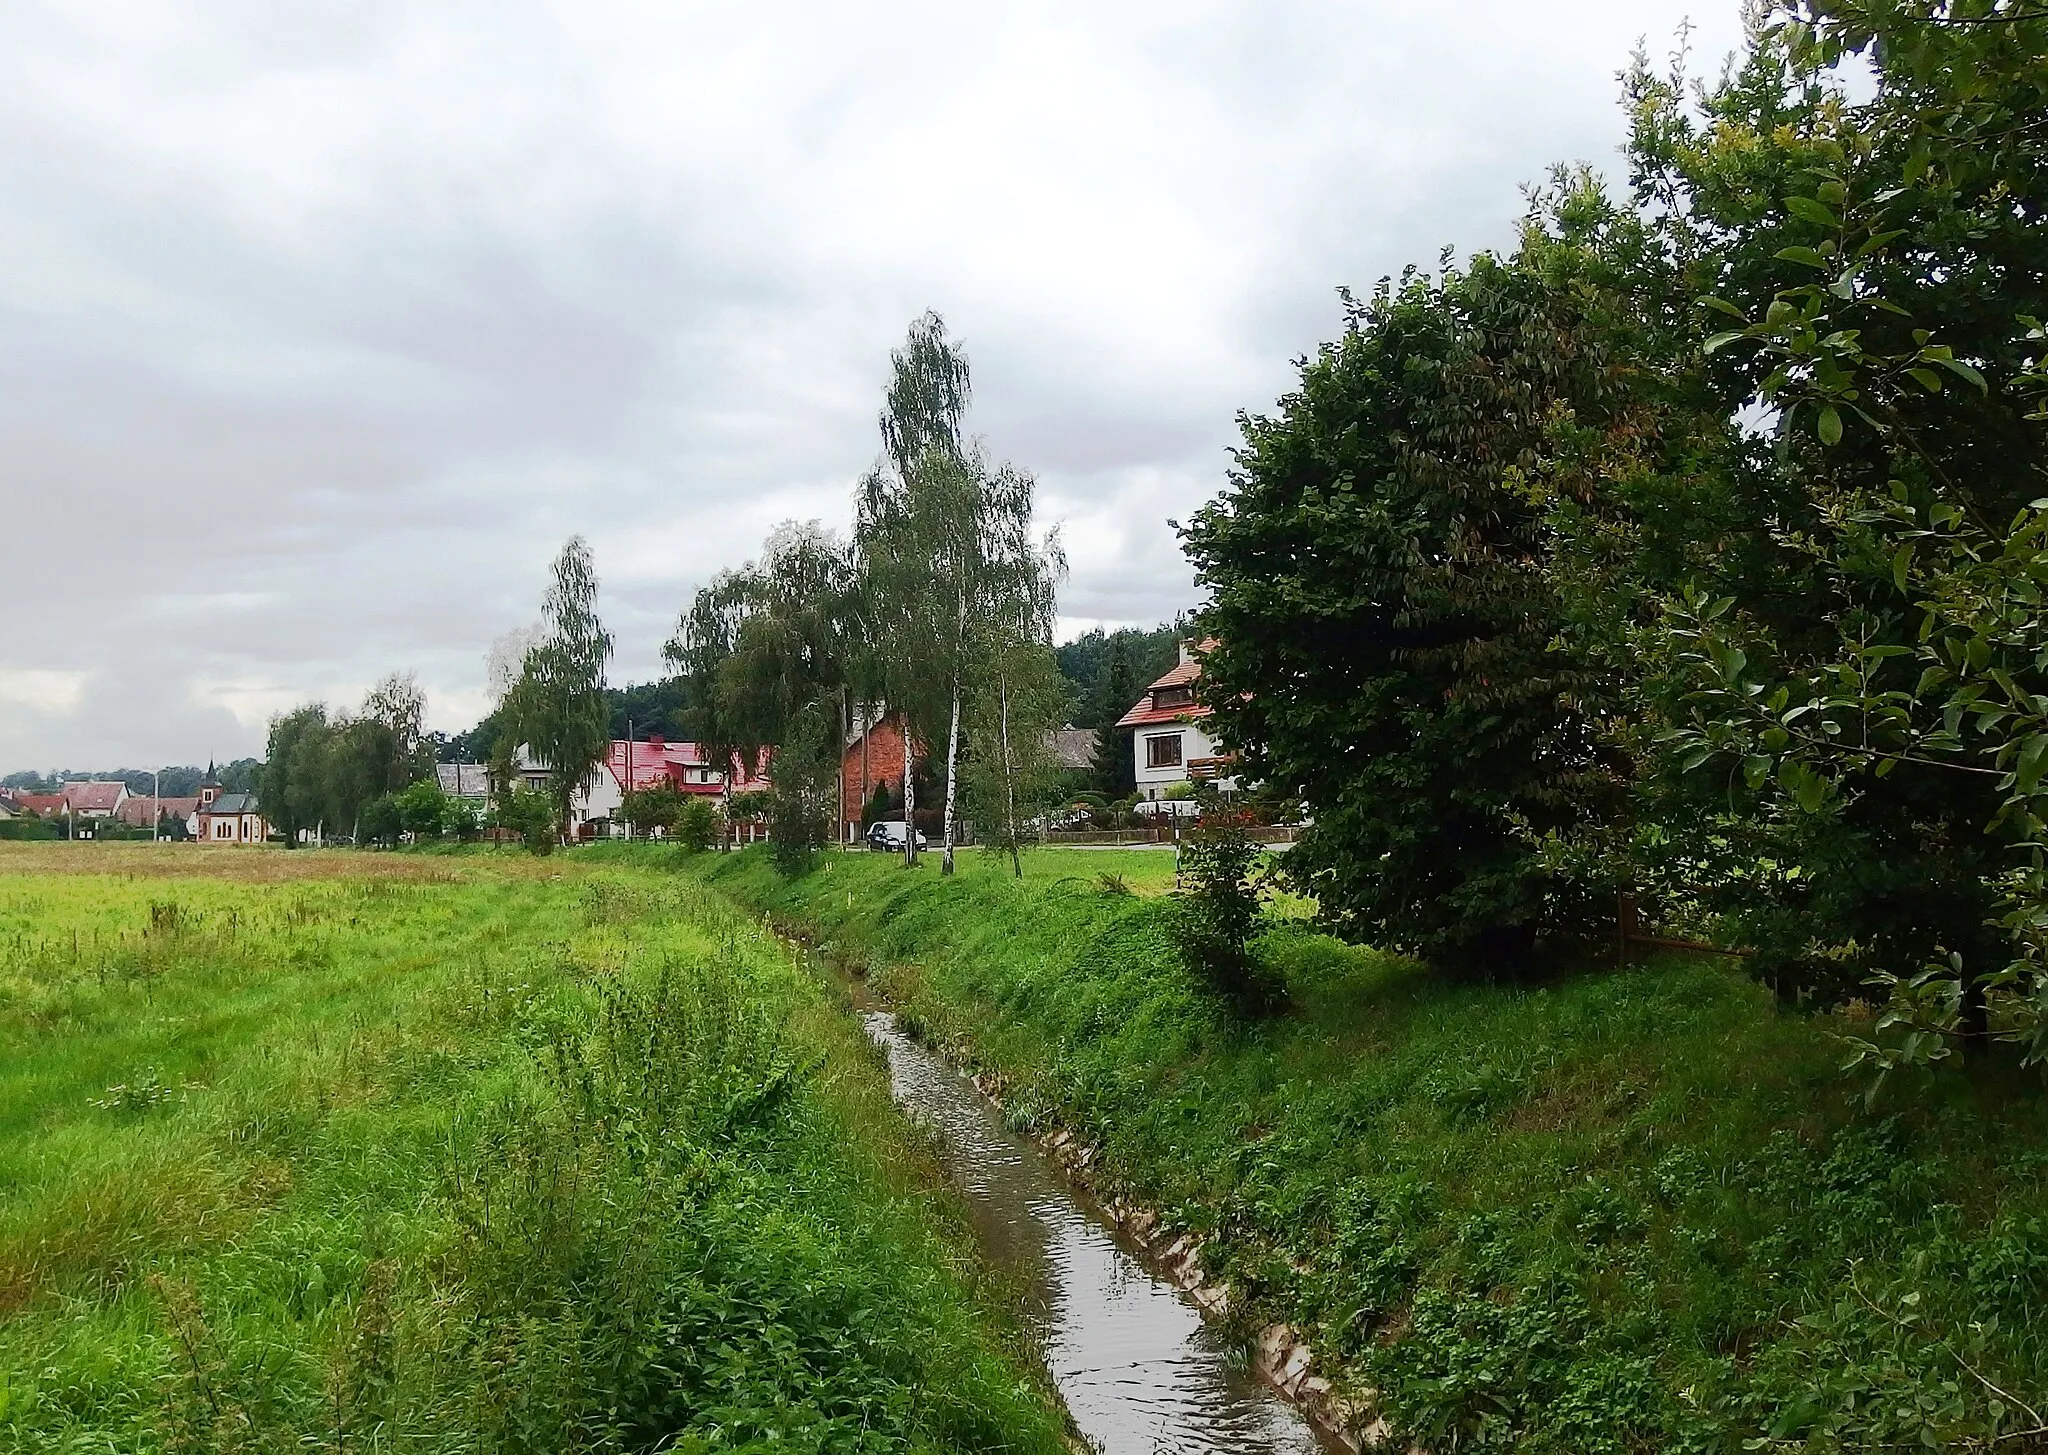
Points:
[1623,1211]
[378,1152]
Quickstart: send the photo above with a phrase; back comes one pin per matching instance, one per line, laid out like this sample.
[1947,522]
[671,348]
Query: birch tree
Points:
[911,528]
[704,640]
[557,707]
[951,575]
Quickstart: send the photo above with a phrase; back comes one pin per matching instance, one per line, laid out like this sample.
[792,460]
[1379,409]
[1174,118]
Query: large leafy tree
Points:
[704,640]
[785,682]
[1388,627]
[557,706]
[1855,676]
[293,786]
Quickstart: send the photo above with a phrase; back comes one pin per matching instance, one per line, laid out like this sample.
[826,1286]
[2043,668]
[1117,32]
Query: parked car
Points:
[889,836]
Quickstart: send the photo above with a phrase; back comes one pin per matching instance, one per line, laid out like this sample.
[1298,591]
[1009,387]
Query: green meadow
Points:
[1611,1211]
[473,1153]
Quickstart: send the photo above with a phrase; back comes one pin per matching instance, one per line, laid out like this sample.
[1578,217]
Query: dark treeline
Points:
[181,781]
[1108,669]
[1694,548]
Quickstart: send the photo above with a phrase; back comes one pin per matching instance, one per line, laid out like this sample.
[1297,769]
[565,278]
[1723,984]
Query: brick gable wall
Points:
[885,765]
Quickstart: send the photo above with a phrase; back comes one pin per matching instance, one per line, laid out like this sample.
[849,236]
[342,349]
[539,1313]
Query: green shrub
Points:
[462,819]
[696,825]
[1216,912]
[381,822]
[530,813]
[423,809]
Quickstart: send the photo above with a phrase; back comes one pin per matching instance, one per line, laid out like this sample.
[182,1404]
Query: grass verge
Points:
[365,1152]
[1619,1212]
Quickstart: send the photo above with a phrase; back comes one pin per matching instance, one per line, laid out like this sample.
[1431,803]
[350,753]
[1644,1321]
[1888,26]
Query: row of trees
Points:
[939,608]
[323,771]
[1695,549]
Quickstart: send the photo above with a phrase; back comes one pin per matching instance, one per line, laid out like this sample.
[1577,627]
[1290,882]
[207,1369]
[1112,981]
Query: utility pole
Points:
[156,806]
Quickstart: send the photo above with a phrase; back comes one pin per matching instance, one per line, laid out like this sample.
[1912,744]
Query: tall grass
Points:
[461,1156]
[1622,1211]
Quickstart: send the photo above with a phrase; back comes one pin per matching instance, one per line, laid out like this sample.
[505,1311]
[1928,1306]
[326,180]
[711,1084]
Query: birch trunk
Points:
[953,732]
[952,775]
[1009,775]
[909,801]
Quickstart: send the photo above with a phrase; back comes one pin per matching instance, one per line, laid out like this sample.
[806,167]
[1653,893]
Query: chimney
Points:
[1187,652]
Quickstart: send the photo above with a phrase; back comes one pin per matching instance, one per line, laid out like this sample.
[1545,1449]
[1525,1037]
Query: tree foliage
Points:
[1386,621]
[557,706]
[1695,547]
[952,580]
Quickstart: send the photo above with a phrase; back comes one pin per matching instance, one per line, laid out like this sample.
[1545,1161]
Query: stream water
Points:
[1132,1358]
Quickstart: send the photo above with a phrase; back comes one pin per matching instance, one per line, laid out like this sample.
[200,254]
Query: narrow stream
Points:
[1132,1358]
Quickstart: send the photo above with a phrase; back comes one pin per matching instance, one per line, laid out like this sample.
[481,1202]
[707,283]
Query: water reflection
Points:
[1133,1360]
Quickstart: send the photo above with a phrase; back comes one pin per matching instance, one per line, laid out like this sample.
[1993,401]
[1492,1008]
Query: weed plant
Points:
[1625,1211]
[473,1154]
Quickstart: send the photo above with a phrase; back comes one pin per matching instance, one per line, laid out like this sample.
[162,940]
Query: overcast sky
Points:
[323,324]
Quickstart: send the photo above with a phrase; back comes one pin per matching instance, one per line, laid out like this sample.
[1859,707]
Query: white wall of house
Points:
[1163,752]
[599,797]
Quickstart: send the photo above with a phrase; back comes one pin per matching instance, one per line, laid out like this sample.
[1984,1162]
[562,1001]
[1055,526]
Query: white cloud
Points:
[42,690]
[323,324]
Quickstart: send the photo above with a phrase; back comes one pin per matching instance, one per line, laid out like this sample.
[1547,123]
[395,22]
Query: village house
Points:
[144,810]
[873,758]
[94,798]
[1167,740]
[594,811]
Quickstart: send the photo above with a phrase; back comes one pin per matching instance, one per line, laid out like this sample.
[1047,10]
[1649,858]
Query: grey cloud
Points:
[322,325]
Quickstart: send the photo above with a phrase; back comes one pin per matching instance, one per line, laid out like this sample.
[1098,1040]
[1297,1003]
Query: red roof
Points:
[679,763]
[1147,710]
[44,804]
[94,796]
[141,810]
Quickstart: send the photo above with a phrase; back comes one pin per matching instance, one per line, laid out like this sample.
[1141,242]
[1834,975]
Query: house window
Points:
[1163,751]
[1173,697]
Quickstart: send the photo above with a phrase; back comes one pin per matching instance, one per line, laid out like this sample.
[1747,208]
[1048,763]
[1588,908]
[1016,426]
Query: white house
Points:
[1167,740]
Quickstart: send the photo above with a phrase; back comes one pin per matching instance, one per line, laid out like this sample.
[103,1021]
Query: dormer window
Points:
[1173,697]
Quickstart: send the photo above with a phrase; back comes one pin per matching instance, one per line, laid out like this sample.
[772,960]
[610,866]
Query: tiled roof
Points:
[229,804]
[1146,712]
[464,780]
[141,810]
[1073,747]
[95,796]
[45,804]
